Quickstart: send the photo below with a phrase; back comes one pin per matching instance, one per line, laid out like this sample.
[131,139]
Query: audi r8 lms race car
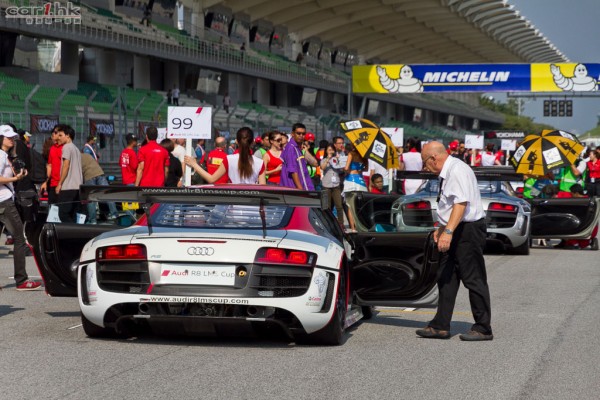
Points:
[565,218]
[507,217]
[511,221]
[221,259]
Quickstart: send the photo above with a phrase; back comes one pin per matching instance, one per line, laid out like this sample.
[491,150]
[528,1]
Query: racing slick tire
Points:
[594,244]
[334,333]
[94,331]
[522,250]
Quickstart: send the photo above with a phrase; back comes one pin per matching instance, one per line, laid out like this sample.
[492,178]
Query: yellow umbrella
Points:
[371,142]
[538,154]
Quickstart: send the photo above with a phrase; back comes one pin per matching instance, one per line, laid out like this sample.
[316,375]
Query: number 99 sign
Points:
[189,122]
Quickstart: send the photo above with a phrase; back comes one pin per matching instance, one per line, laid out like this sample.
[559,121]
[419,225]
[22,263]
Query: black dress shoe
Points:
[431,333]
[474,336]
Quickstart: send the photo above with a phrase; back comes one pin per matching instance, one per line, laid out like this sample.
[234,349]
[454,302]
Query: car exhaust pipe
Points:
[251,311]
[144,308]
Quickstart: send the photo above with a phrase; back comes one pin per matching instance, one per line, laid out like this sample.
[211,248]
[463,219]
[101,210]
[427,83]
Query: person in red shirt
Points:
[473,158]
[216,157]
[377,184]
[129,161]
[272,159]
[593,179]
[153,165]
[53,167]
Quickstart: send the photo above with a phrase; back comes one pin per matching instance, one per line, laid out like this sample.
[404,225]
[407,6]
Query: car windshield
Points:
[488,186]
[219,216]
[485,187]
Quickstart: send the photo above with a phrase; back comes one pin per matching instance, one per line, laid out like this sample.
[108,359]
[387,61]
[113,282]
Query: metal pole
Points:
[59,99]
[136,110]
[28,98]
[350,99]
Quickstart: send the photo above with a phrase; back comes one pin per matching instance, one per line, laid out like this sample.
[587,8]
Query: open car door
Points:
[569,218]
[389,268]
[57,248]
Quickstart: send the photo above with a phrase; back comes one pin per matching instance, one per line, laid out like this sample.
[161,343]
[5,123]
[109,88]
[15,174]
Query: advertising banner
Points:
[419,78]
[504,134]
[43,123]
[103,127]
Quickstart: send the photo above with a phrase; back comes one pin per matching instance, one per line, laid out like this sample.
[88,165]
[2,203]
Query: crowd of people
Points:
[274,158]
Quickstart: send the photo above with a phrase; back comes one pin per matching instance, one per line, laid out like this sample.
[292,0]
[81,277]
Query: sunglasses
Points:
[300,133]
[278,140]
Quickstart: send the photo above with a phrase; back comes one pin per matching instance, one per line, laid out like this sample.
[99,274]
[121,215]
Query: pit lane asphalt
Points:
[545,315]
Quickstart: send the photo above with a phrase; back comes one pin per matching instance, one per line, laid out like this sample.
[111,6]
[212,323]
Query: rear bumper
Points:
[306,313]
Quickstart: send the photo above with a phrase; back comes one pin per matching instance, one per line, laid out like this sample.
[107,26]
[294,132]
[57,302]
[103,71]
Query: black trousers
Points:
[593,189]
[68,205]
[464,262]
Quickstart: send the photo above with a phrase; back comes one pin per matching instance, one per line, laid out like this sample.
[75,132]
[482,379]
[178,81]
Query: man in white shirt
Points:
[175,94]
[460,238]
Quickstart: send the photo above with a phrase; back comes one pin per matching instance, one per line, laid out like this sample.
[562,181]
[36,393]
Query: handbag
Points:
[27,203]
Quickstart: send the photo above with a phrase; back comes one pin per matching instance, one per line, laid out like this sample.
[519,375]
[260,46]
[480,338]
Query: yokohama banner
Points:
[43,123]
[103,127]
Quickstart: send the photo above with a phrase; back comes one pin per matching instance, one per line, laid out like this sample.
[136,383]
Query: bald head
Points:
[221,142]
[433,148]
[434,156]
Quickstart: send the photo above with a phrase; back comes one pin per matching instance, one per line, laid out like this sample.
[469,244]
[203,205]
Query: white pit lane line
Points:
[75,326]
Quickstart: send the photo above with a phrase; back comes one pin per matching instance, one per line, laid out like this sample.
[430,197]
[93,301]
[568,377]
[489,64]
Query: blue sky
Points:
[573,27]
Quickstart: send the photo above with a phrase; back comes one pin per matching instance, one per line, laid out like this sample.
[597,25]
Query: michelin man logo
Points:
[320,281]
[406,83]
[579,82]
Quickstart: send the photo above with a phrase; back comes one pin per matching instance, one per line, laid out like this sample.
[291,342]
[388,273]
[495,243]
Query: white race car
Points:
[205,260]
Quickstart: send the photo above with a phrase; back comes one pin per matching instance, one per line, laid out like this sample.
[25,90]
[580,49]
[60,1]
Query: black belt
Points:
[472,222]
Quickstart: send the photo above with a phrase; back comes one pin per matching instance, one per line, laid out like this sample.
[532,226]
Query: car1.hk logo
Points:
[48,13]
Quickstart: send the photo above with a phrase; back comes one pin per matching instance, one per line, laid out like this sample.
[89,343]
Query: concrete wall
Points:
[263,91]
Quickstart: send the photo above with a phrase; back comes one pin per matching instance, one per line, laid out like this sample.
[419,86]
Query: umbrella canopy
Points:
[371,142]
[538,154]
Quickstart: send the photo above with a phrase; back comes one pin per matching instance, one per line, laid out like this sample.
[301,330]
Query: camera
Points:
[18,165]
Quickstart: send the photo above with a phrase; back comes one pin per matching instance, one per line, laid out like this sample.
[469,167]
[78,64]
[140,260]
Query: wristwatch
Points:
[448,231]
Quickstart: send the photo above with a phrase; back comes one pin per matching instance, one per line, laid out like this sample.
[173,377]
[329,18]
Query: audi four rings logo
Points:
[200,251]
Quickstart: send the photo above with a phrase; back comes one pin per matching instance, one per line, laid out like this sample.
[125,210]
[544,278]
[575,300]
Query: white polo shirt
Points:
[6,190]
[459,186]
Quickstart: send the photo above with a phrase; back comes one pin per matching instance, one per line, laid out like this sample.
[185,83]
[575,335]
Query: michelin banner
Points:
[418,78]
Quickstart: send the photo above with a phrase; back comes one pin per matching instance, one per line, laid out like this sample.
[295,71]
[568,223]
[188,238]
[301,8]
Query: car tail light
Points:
[122,252]
[418,205]
[502,207]
[285,257]
[275,255]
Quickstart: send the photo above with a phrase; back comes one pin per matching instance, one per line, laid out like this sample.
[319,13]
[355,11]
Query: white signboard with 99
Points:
[189,123]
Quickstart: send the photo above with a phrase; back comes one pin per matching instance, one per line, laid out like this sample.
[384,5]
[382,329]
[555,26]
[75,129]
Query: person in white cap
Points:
[9,215]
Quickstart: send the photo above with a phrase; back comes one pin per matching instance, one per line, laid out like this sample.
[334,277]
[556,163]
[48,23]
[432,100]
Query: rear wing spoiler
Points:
[498,173]
[212,195]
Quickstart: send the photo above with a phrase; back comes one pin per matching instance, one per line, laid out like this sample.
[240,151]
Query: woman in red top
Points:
[272,159]
[593,184]
[474,158]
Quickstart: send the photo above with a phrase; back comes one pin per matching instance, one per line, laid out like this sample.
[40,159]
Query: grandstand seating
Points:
[14,91]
